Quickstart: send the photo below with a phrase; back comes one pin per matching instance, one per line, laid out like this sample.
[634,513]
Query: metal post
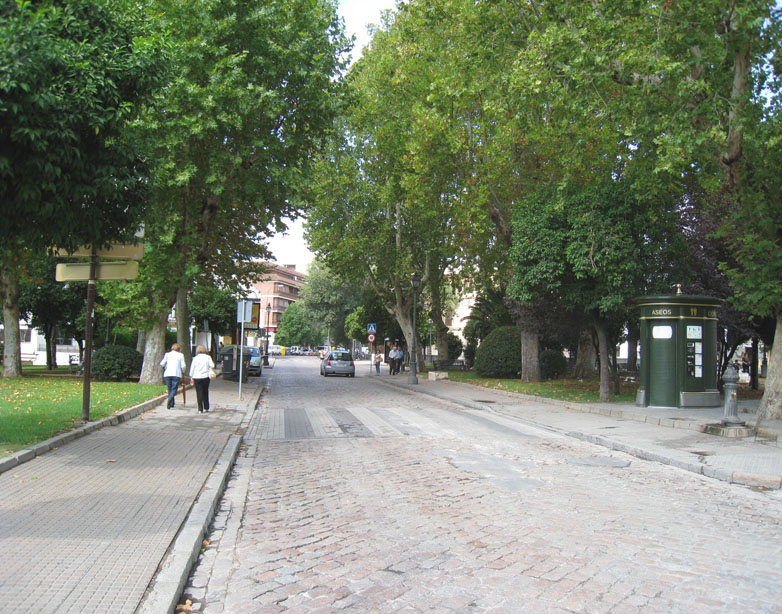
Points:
[89,324]
[266,352]
[413,377]
[731,413]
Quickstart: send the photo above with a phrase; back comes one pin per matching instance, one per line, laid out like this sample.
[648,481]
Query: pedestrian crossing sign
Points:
[371,328]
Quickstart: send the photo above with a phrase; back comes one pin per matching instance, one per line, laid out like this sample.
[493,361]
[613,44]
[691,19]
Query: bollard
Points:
[731,414]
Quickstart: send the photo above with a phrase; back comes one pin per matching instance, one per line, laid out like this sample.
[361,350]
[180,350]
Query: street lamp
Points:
[266,353]
[413,378]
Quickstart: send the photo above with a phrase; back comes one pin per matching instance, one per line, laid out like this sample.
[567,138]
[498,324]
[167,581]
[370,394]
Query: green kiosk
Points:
[678,351]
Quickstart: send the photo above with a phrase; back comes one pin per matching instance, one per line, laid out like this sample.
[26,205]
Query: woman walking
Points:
[199,376]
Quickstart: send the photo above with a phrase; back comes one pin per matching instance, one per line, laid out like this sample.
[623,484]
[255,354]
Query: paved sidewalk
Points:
[671,436]
[112,521]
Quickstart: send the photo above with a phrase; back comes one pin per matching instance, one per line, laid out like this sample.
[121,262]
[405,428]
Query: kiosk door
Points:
[662,372]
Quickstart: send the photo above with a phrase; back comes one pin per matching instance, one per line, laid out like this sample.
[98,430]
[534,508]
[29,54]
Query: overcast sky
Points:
[290,248]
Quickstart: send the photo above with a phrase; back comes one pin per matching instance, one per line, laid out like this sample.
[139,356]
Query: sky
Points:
[290,247]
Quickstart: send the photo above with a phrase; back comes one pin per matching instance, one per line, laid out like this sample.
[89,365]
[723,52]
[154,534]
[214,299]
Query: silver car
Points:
[338,362]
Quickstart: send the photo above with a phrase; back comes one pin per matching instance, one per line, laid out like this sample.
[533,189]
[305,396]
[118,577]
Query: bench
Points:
[450,365]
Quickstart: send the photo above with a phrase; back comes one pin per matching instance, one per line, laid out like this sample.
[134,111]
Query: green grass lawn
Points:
[33,409]
[577,391]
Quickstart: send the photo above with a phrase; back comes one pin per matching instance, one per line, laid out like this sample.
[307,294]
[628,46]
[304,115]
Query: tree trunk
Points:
[151,372]
[9,291]
[530,362]
[141,340]
[771,403]
[50,332]
[585,355]
[182,313]
[632,352]
[605,380]
[753,365]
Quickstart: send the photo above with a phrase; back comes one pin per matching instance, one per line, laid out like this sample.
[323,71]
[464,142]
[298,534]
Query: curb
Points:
[168,583]
[771,482]
[27,454]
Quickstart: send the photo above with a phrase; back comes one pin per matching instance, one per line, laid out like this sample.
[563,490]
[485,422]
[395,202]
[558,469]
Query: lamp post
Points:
[266,352]
[413,377]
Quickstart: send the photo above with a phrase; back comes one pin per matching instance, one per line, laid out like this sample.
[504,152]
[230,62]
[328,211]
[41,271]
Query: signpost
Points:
[91,272]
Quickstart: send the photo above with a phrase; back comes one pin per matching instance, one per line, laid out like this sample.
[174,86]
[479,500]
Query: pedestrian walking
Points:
[173,364]
[200,367]
[378,360]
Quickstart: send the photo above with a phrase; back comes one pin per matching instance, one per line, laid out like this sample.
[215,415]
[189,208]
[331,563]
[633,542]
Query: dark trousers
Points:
[173,385]
[202,393]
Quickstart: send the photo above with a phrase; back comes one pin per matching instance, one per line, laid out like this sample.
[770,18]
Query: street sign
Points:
[117,250]
[80,271]
[244,311]
[372,328]
[371,337]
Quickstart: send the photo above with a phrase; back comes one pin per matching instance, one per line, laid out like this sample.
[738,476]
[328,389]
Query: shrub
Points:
[454,346]
[499,354]
[553,364]
[116,362]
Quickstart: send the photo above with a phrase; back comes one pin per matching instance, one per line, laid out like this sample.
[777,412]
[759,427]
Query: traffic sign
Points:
[371,337]
[372,328]
[80,271]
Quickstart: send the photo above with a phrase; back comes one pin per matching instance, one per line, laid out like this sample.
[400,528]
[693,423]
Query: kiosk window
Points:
[662,332]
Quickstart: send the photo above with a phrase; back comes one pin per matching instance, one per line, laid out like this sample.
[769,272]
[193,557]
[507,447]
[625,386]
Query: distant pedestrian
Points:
[173,364]
[199,376]
[392,360]
[400,355]
[378,361]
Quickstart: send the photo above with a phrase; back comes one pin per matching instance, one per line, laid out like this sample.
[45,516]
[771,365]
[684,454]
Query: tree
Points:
[329,301]
[49,305]
[595,248]
[71,77]
[295,327]
[234,131]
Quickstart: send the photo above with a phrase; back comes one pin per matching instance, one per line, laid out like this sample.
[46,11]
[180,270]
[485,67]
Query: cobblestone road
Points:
[352,496]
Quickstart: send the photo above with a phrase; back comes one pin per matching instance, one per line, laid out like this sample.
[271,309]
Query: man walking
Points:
[173,364]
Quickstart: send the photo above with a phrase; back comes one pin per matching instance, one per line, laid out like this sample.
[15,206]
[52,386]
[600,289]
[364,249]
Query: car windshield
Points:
[341,356]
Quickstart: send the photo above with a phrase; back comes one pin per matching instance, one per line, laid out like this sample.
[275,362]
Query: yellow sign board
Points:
[120,251]
[80,271]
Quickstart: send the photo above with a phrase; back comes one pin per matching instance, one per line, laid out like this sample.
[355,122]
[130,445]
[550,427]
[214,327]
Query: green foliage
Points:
[116,362]
[499,354]
[553,364]
[328,300]
[455,347]
[71,77]
[295,328]
[213,305]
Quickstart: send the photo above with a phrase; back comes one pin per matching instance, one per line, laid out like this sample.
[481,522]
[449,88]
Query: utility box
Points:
[678,351]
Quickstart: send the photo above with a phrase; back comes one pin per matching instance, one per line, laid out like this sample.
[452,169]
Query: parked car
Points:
[338,362]
[275,350]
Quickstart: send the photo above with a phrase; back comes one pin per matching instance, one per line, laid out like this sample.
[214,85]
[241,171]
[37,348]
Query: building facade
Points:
[273,295]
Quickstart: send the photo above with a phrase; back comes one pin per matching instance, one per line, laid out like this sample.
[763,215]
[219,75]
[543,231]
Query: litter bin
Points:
[678,351]
[229,359]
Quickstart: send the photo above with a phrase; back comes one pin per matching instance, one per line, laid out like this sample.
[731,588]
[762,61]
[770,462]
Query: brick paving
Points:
[352,497]
[84,527]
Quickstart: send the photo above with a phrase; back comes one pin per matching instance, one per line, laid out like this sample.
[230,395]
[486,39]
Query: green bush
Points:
[116,362]
[455,346]
[553,364]
[499,354]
